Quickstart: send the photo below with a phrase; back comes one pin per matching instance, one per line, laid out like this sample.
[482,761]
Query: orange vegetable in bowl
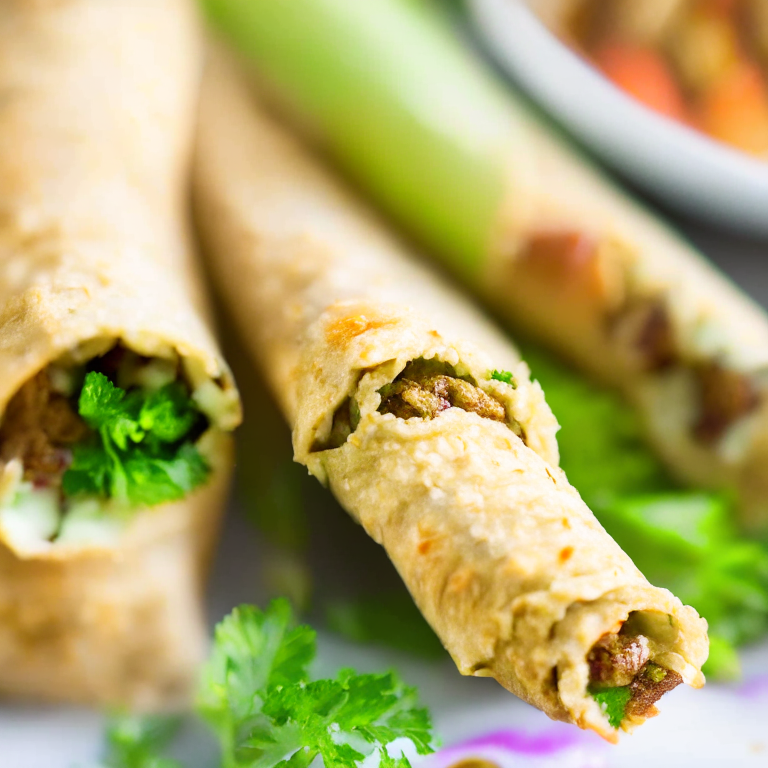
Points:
[735,109]
[642,72]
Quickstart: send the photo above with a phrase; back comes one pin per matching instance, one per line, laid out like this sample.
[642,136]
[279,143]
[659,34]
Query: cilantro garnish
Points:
[613,702]
[139,452]
[505,377]
[137,742]
[257,695]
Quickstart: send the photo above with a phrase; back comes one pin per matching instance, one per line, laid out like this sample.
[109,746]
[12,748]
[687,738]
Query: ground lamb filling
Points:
[624,661]
[423,390]
[426,388]
[141,435]
[725,396]
[39,428]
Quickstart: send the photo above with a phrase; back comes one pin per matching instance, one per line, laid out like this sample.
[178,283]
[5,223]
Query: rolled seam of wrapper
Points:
[490,539]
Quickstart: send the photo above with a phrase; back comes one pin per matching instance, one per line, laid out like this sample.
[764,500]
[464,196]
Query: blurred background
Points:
[672,97]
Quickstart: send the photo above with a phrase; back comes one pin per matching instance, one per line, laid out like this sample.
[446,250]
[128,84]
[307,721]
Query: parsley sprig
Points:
[140,452]
[257,695]
[613,702]
[506,377]
[136,742]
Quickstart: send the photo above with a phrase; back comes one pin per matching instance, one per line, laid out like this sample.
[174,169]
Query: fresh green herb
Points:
[391,619]
[683,540]
[613,701]
[504,376]
[137,742]
[257,696]
[254,653]
[139,452]
[328,717]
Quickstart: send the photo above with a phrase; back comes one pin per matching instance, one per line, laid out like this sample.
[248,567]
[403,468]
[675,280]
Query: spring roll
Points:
[540,234]
[423,422]
[115,402]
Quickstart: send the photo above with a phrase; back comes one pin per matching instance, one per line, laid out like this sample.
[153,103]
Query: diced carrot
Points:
[643,73]
[735,110]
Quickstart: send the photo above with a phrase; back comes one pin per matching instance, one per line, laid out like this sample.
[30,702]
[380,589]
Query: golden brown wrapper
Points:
[503,558]
[97,102]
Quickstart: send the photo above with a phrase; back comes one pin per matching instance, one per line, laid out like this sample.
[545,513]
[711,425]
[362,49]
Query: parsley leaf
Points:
[253,653]
[256,695]
[393,762]
[168,414]
[343,720]
[140,452]
[106,407]
[613,701]
[136,742]
[504,376]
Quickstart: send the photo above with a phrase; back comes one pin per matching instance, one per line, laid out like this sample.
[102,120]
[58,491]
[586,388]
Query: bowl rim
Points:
[687,169]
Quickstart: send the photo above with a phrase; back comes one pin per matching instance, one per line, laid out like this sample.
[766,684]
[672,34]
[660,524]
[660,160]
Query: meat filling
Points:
[615,660]
[648,687]
[423,390]
[427,388]
[726,396]
[39,426]
[624,661]
[643,327]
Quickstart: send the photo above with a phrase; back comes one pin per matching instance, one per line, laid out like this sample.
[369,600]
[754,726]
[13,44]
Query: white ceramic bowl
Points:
[685,169]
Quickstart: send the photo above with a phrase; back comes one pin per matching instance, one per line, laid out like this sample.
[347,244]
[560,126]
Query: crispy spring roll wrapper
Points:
[501,555]
[97,102]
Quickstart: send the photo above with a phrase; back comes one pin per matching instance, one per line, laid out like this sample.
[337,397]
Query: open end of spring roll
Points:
[85,444]
[115,401]
[426,427]
[114,468]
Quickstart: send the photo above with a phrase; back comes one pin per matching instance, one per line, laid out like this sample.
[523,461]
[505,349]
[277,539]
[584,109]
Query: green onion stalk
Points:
[417,121]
